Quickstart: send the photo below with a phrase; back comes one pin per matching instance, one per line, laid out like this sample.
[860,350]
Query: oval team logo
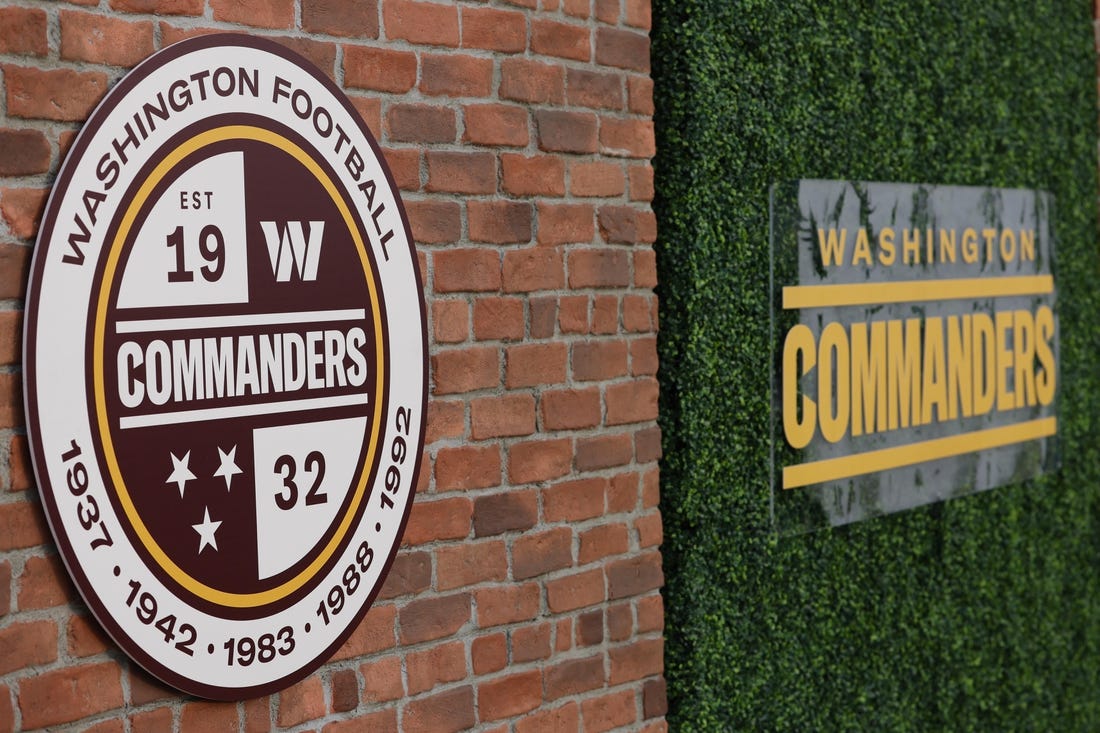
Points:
[226,366]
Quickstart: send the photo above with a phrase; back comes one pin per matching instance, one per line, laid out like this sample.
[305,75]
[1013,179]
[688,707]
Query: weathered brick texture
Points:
[525,596]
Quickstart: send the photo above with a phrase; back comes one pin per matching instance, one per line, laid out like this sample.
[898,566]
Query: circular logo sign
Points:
[226,366]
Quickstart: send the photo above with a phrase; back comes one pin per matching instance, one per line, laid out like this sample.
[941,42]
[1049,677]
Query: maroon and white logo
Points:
[225,359]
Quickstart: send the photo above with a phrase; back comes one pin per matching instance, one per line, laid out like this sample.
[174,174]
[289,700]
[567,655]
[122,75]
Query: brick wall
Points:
[525,596]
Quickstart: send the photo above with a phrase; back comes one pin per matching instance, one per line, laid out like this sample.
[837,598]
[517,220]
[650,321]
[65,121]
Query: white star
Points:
[181,472]
[228,468]
[206,531]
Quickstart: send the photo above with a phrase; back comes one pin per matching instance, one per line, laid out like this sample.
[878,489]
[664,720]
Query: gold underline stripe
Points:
[832,469]
[907,291]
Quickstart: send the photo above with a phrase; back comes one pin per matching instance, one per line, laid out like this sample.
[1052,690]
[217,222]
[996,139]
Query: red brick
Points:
[494,30]
[498,319]
[647,444]
[145,688]
[466,270]
[383,721]
[607,11]
[420,22]
[639,14]
[28,644]
[605,314]
[373,634]
[627,225]
[14,264]
[603,541]
[566,223]
[471,173]
[5,588]
[524,80]
[506,604]
[11,348]
[529,365]
[22,524]
[86,637]
[510,696]
[106,726]
[23,31]
[573,314]
[623,493]
[538,175]
[543,316]
[170,34]
[433,618]
[603,451]
[257,715]
[596,89]
[530,643]
[467,467]
[411,572]
[634,401]
[572,501]
[7,712]
[382,679]
[447,518]
[381,69]
[599,268]
[610,711]
[103,40]
[435,222]
[541,553]
[404,164]
[301,702]
[564,634]
[465,370]
[450,323]
[446,712]
[349,19]
[458,566]
[639,91]
[489,654]
[11,401]
[370,112]
[259,13]
[345,690]
[577,8]
[589,628]
[456,75]
[421,123]
[498,417]
[500,222]
[650,530]
[570,409]
[216,717]
[23,152]
[567,132]
[599,360]
[634,576]
[627,138]
[435,666]
[641,658]
[651,613]
[645,268]
[539,460]
[539,268]
[563,40]
[152,721]
[654,700]
[565,719]
[496,124]
[575,591]
[54,94]
[511,511]
[574,677]
[22,210]
[622,48]
[638,313]
[596,179]
[69,694]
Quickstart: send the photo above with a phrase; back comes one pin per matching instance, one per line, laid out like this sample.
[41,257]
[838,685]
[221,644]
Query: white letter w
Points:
[290,251]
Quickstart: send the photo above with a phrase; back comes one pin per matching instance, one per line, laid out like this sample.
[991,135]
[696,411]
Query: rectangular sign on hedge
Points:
[915,346]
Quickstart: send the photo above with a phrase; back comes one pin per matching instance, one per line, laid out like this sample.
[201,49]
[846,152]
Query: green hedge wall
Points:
[979,614]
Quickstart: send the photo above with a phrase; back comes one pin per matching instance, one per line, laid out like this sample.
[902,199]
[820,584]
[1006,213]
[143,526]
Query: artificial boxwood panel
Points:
[982,613]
